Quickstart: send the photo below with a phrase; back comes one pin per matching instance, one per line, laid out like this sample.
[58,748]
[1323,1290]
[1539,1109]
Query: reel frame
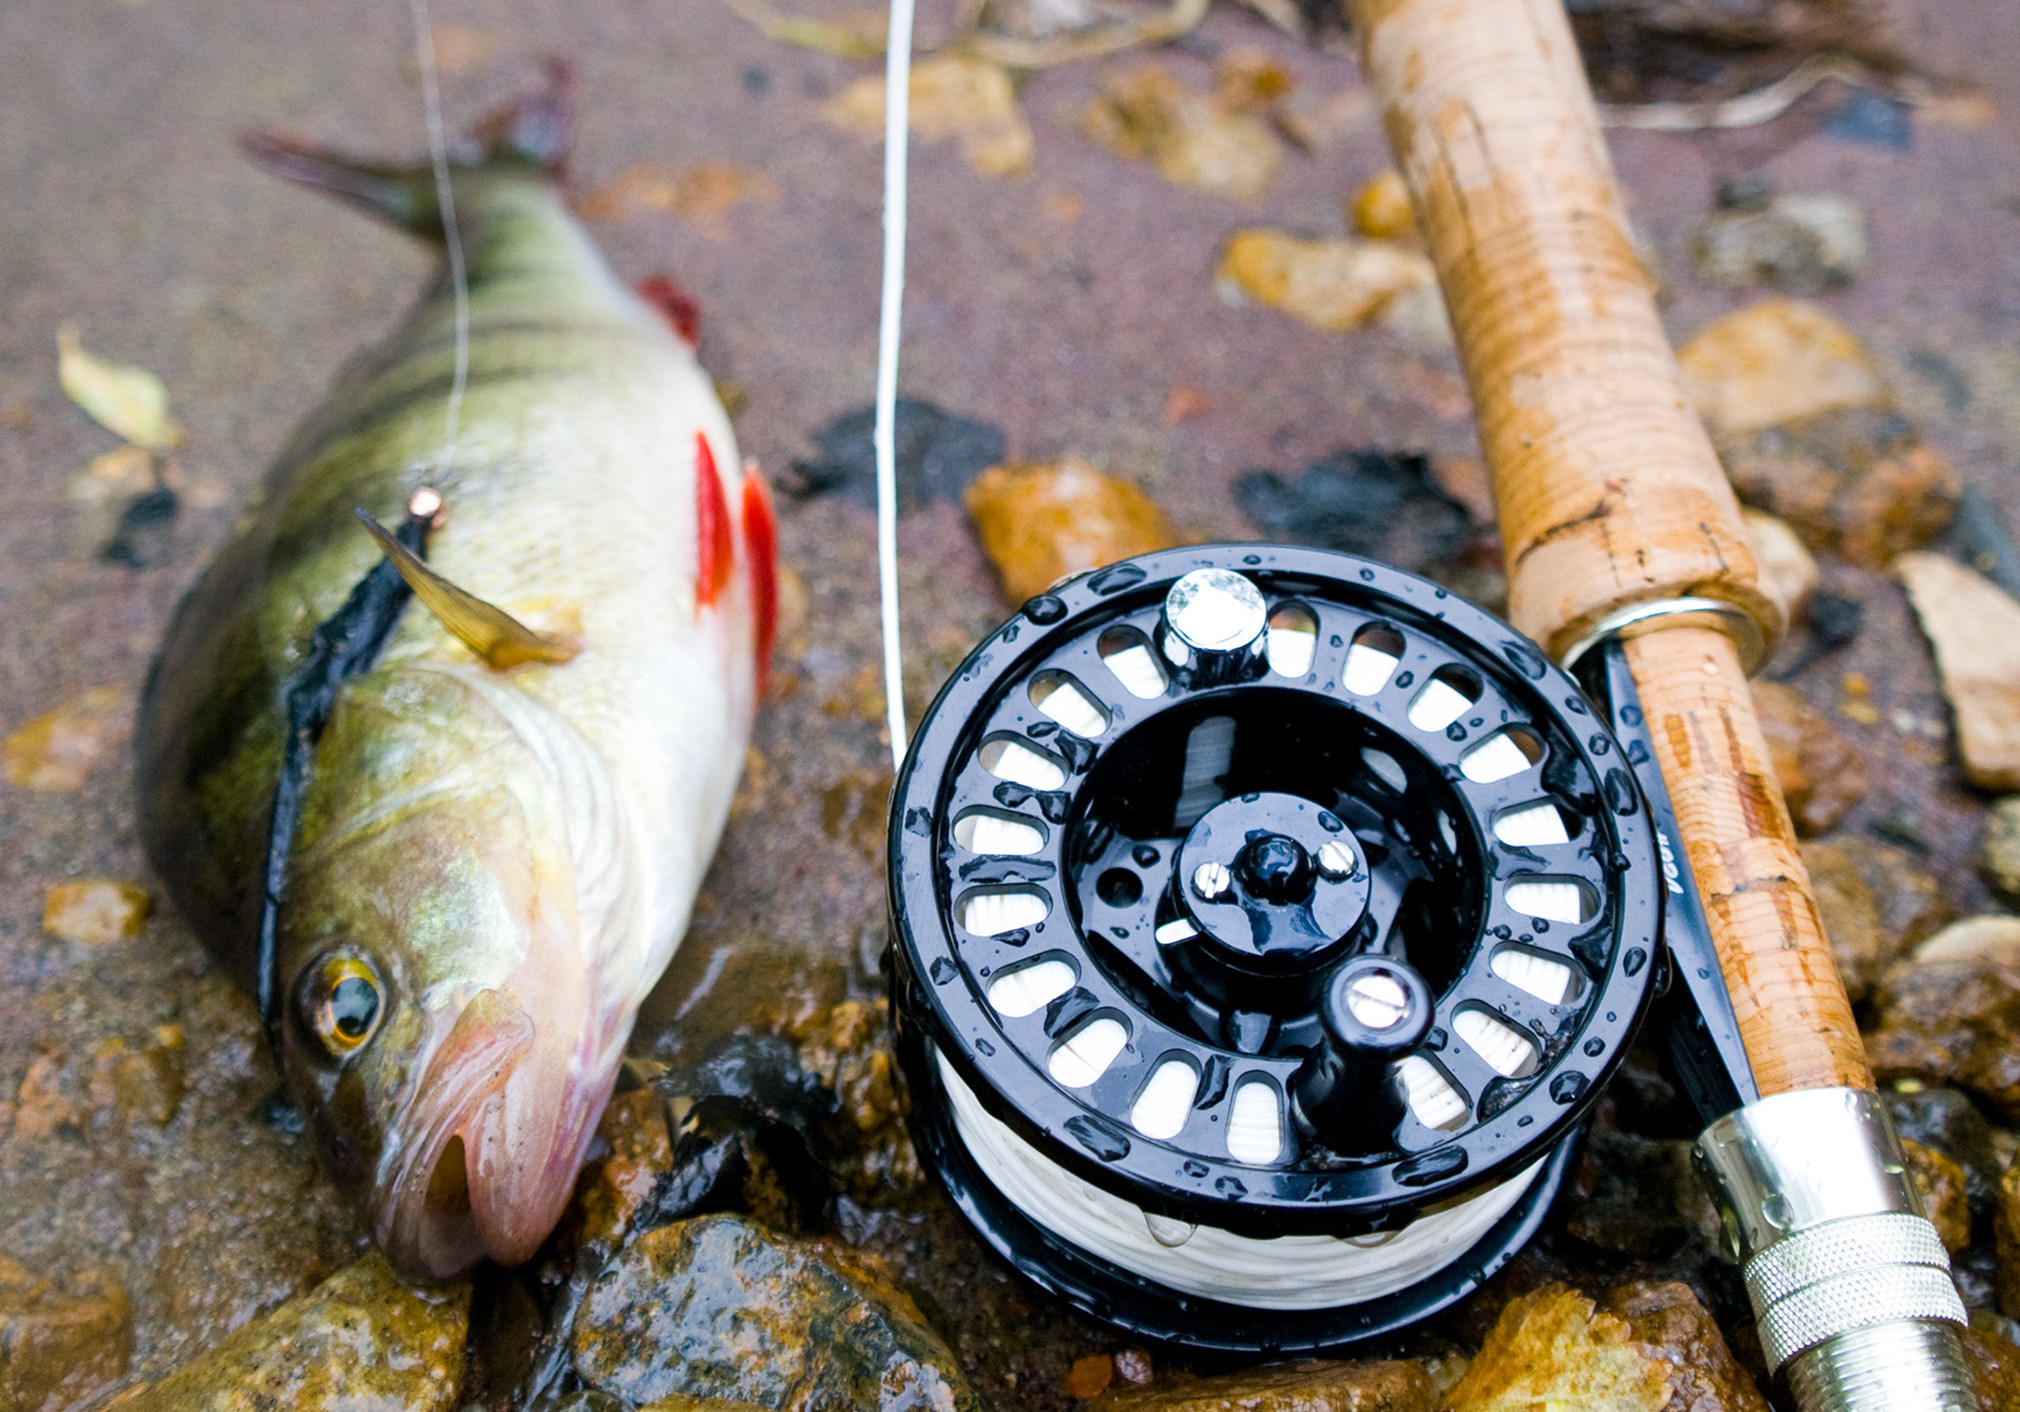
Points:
[941,972]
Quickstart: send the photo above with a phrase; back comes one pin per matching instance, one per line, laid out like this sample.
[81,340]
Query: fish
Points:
[506,816]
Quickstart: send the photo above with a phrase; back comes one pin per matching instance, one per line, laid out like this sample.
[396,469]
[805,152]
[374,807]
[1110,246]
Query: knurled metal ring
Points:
[1638,618]
[1840,1248]
[1869,1296]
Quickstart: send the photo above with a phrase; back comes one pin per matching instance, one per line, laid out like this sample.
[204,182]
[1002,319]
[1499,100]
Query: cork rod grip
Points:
[1607,486]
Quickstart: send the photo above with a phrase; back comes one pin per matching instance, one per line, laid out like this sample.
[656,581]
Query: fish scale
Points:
[491,868]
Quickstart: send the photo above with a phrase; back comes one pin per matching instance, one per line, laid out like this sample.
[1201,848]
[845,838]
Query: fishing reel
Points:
[1266,923]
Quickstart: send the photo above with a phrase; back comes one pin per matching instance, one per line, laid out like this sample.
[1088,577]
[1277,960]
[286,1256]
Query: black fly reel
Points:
[1267,921]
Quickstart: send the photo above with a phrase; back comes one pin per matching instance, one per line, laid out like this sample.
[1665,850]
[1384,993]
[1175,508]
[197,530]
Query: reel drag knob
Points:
[1212,627]
[1375,1010]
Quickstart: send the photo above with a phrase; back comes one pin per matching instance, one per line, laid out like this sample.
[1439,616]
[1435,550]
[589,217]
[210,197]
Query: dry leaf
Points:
[1195,139]
[56,751]
[1249,80]
[952,95]
[95,912]
[1552,1349]
[129,401]
[117,475]
[1330,284]
[703,193]
[860,35]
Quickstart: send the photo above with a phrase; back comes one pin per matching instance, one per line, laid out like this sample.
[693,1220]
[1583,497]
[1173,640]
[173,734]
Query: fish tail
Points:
[532,133]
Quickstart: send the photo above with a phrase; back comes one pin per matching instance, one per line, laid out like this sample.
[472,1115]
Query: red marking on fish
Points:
[761,540]
[681,310]
[715,553]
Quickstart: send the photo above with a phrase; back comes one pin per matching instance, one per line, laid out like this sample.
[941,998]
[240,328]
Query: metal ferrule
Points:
[1850,1285]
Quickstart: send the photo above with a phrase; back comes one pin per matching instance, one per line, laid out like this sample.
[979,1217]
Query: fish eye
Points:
[342,1002]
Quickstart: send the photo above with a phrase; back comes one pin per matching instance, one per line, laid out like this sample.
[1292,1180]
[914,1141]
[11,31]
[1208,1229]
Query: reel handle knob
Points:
[1375,1010]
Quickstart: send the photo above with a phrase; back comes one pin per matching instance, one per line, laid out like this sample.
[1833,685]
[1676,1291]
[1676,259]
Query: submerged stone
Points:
[61,1340]
[1671,1325]
[1974,628]
[1386,1385]
[1041,521]
[1821,772]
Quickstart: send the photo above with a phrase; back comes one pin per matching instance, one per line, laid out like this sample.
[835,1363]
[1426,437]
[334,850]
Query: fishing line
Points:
[897,116]
[445,198]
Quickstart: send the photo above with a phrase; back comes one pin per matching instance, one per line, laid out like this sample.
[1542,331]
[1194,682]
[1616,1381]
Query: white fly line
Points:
[452,238]
[897,117]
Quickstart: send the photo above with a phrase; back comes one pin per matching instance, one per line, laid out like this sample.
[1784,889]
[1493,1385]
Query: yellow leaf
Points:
[126,400]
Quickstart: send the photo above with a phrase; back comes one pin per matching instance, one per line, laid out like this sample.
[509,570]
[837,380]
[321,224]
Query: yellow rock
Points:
[62,1341]
[95,911]
[1773,362]
[1788,571]
[1552,1349]
[1975,628]
[952,95]
[1042,521]
[57,749]
[361,1341]
[1381,210]
[1330,284]
[1196,139]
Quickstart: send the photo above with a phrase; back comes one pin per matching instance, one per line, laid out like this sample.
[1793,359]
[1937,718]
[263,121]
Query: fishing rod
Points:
[1267,921]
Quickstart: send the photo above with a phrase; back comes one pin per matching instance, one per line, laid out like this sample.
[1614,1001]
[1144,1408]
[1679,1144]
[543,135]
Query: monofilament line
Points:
[897,116]
[452,239]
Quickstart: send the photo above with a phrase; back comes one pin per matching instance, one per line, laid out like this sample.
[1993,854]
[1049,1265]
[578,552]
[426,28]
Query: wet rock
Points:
[1639,1197]
[1380,504]
[720,1307]
[1850,916]
[1999,856]
[1950,1013]
[1381,210]
[1788,572]
[1912,905]
[1373,1386]
[937,454]
[57,749]
[1995,1367]
[1041,521]
[1940,1183]
[143,536]
[1774,362]
[1134,1367]
[1821,771]
[361,1340]
[1671,1325]
[1552,1347]
[1333,285]
[1975,631]
[952,95]
[2006,1240]
[1195,139]
[1090,1376]
[1798,243]
[638,1150]
[61,1340]
[95,911]
[145,1082]
[848,1048]
[1856,482]
[1946,1121]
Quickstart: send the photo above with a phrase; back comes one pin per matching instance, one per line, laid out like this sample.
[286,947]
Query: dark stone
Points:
[720,1307]
[1948,1122]
[141,539]
[1670,1324]
[1641,1197]
[937,454]
[1874,119]
[1379,504]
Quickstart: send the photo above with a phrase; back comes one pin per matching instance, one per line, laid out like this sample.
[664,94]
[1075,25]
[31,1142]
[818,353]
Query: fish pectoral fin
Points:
[501,640]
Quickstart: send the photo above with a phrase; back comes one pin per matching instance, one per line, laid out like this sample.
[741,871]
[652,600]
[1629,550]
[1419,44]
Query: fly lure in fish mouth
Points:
[451,850]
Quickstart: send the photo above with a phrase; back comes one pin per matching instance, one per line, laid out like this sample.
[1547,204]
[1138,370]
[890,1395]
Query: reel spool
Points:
[1267,921]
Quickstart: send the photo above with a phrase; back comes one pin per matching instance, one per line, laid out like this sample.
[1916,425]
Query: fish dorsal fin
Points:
[501,640]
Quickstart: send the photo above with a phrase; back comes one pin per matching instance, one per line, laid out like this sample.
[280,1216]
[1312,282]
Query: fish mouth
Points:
[503,1116]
